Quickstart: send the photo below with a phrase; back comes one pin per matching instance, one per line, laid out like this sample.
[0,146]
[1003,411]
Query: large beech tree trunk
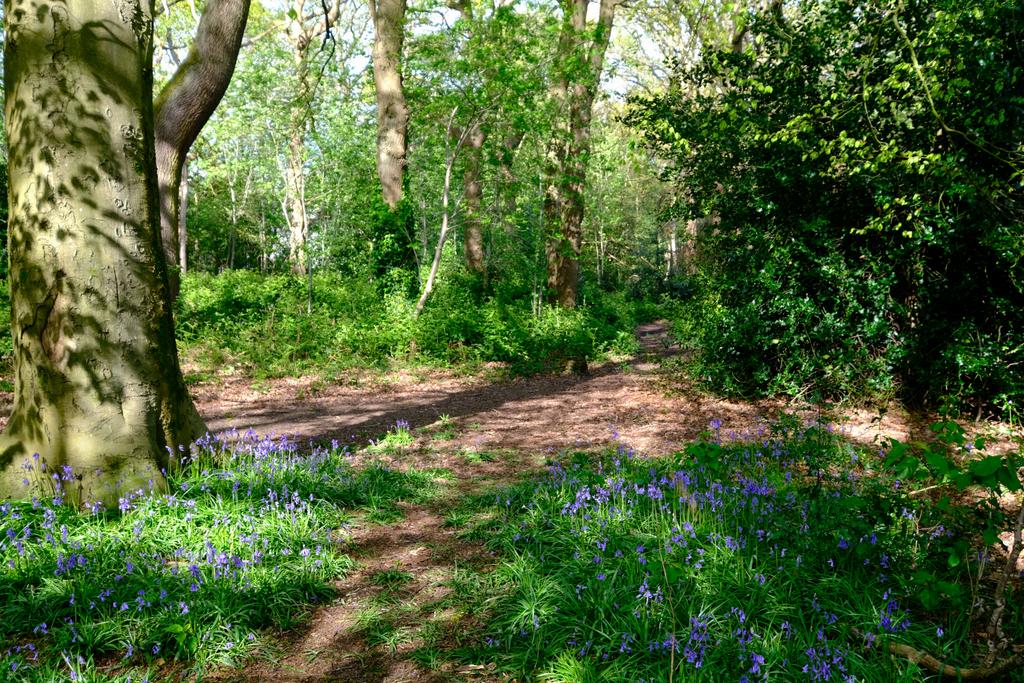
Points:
[97,385]
[392,112]
[185,105]
[573,89]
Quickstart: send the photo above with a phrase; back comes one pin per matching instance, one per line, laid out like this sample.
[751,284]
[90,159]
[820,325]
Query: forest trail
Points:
[398,605]
[650,406]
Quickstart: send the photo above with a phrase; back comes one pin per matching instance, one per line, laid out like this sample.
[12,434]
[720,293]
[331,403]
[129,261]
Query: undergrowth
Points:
[259,323]
[787,555]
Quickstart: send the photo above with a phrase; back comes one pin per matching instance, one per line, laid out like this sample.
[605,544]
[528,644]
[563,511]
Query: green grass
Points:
[247,541]
[788,556]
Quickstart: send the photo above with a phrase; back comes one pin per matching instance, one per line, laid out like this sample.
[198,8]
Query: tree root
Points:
[982,673]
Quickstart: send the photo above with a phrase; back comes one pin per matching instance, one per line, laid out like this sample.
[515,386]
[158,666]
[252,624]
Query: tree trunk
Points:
[392,112]
[450,155]
[573,91]
[473,248]
[506,186]
[186,104]
[301,35]
[97,385]
[183,221]
[473,194]
[295,172]
[556,242]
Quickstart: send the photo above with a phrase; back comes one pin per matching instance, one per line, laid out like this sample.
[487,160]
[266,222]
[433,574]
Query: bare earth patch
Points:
[538,414]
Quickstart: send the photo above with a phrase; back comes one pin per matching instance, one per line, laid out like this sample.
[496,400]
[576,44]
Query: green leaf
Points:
[1009,478]
[961,480]
[937,462]
[896,453]
[985,467]
[674,573]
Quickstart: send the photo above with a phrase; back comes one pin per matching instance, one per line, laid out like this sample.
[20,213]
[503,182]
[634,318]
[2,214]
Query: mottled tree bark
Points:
[392,111]
[573,90]
[97,385]
[185,105]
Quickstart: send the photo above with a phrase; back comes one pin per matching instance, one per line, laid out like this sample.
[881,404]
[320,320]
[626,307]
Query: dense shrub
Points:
[858,173]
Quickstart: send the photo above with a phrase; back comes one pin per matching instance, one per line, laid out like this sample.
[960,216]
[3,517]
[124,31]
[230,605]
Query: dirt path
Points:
[633,399]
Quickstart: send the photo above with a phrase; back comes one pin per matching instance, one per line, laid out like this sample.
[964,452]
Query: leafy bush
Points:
[262,323]
[859,199]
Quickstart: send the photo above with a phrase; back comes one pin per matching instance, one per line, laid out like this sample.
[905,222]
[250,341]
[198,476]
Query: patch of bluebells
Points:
[684,553]
[239,523]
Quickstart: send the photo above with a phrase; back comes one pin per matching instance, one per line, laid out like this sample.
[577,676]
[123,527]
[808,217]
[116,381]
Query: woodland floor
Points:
[485,433]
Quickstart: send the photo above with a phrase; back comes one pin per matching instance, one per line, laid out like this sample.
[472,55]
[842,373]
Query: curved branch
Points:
[188,101]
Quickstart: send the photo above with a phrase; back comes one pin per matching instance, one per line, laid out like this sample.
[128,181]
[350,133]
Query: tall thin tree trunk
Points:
[559,245]
[573,91]
[451,154]
[295,175]
[97,384]
[301,35]
[473,195]
[474,250]
[186,104]
[392,112]
[234,226]
[263,241]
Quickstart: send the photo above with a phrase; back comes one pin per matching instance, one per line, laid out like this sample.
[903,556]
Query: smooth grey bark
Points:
[392,111]
[573,90]
[97,384]
[185,105]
